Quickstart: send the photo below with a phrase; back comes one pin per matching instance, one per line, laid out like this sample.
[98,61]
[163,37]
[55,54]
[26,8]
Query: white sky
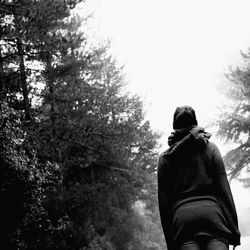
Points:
[175,52]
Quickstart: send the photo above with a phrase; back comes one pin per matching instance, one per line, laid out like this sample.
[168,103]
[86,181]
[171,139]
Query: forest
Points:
[78,157]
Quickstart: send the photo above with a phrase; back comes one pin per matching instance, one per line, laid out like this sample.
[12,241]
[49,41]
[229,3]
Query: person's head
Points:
[184,117]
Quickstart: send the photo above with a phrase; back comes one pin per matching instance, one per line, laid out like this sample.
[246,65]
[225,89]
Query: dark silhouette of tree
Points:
[28,30]
[88,153]
[21,181]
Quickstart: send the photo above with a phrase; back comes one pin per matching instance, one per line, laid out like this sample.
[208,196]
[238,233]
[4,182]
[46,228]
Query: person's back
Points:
[195,200]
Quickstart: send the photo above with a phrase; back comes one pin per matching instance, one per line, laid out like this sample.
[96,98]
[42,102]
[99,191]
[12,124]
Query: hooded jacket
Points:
[192,170]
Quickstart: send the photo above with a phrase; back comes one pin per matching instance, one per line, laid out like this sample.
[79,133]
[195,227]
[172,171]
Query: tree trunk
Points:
[2,81]
[23,79]
[50,82]
[2,85]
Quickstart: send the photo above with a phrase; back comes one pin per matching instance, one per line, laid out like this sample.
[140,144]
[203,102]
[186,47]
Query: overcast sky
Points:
[176,53]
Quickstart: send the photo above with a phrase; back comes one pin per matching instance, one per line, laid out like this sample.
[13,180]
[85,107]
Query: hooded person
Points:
[196,205]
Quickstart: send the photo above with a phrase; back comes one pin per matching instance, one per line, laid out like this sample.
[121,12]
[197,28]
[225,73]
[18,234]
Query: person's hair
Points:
[184,117]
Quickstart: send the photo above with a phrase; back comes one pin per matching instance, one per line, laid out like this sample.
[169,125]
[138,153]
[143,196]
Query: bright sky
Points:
[176,52]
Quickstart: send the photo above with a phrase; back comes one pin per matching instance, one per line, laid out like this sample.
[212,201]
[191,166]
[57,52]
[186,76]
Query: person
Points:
[196,205]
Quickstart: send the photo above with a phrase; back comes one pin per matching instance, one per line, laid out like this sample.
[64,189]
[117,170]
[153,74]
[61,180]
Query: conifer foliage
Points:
[77,154]
[234,122]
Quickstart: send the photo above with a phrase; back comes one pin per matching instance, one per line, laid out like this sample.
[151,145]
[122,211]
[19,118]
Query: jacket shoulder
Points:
[162,160]
[163,152]
[212,146]
[212,150]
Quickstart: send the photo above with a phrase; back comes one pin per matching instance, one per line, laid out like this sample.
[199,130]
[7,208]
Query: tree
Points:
[95,154]
[103,147]
[21,190]
[28,37]
[234,124]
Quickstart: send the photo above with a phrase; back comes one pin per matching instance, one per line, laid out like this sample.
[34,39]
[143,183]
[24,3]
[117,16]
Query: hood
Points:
[183,139]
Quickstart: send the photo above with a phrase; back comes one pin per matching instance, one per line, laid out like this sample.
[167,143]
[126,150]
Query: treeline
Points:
[77,156]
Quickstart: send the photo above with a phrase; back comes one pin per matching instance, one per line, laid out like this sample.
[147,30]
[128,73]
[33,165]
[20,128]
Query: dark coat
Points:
[192,169]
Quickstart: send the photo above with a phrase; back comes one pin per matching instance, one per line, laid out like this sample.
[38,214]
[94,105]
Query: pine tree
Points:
[21,180]
[234,123]
[28,36]
[95,152]
[101,137]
